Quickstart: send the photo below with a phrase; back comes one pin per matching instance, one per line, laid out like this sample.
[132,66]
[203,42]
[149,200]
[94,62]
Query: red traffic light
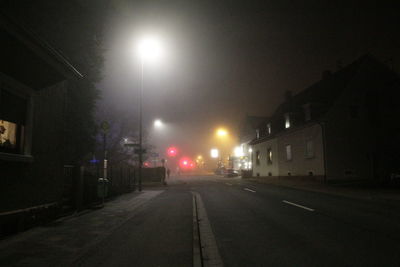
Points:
[172,151]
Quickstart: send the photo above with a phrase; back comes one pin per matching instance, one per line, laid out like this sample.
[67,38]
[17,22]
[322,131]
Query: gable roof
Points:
[321,95]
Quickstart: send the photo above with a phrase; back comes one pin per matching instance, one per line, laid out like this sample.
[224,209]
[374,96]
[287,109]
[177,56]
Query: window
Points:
[12,122]
[307,112]
[258,157]
[288,152]
[257,133]
[269,156]
[309,149]
[287,121]
[269,128]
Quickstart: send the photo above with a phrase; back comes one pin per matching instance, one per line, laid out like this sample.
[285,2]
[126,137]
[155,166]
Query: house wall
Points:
[301,164]
[264,168]
[40,180]
[348,137]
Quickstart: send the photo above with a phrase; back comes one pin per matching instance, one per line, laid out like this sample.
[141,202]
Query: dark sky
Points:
[229,58]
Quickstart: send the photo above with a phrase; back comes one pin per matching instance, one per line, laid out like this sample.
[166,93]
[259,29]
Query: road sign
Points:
[105,126]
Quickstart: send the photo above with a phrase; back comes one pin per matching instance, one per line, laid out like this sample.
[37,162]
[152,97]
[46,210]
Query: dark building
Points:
[34,79]
[345,126]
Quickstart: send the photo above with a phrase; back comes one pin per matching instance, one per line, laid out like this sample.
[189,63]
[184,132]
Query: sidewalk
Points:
[67,239]
[352,190]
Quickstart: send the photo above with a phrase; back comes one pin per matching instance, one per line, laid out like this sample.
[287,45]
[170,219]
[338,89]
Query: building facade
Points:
[337,129]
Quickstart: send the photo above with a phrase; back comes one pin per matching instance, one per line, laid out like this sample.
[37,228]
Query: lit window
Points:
[288,152]
[258,133]
[309,149]
[269,128]
[258,157]
[12,121]
[287,121]
[269,156]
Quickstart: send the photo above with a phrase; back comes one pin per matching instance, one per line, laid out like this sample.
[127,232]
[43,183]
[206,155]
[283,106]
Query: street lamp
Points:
[149,48]
[221,132]
[158,123]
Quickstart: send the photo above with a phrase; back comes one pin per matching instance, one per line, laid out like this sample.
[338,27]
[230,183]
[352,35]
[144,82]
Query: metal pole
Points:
[140,131]
[104,166]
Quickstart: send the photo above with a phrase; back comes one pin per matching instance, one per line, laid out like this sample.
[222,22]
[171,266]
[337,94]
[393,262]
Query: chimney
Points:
[326,74]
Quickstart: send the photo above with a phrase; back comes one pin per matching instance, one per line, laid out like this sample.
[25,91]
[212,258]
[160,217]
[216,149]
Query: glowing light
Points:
[172,151]
[222,132]
[158,123]
[150,48]
[185,163]
[250,150]
[214,153]
[238,151]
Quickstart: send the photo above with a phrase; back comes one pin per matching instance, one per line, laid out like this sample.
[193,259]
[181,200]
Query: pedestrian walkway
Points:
[353,190]
[67,239]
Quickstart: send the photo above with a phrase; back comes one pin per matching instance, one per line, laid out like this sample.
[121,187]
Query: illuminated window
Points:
[309,149]
[12,122]
[269,128]
[269,156]
[288,152]
[258,157]
[287,121]
[258,133]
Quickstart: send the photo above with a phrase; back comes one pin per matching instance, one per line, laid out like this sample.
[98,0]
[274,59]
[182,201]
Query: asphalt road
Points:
[239,223]
[255,225]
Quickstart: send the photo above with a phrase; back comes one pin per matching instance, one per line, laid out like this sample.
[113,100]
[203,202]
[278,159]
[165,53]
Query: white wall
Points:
[264,168]
[301,164]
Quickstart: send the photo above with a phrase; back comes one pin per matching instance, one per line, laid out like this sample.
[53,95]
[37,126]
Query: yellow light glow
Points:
[199,157]
[222,132]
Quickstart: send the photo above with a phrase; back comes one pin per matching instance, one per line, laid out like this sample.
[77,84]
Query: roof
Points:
[29,59]
[320,95]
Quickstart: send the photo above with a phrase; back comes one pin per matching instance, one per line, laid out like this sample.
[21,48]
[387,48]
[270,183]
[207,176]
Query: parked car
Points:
[231,173]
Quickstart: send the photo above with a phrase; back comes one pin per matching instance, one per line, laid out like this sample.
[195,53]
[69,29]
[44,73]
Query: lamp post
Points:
[148,49]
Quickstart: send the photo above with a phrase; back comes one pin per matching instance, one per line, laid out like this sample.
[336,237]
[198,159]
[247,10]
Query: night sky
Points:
[228,58]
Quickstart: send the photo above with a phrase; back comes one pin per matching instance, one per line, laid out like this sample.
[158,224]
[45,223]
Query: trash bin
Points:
[102,187]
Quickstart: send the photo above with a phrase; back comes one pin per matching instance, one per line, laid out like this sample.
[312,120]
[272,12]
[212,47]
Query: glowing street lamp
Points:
[158,123]
[149,49]
[221,132]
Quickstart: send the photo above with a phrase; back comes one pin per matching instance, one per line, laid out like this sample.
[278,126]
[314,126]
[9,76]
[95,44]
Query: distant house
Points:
[247,132]
[33,86]
[345,126]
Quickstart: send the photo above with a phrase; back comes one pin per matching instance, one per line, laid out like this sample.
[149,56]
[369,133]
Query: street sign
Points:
[105,126]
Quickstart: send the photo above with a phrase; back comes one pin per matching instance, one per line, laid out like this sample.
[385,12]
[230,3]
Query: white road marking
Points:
[228,184]
[297,205]
[250,190]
